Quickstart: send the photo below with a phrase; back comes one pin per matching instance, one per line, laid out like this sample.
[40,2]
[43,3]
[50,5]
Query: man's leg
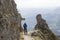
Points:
[25,32]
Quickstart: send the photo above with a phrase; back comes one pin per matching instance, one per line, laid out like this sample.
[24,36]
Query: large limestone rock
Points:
[10,20]
[20,20]
[43,30]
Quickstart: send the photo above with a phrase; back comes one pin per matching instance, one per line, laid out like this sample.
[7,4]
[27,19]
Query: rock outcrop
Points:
[10,20]
[43,30]
[20,20]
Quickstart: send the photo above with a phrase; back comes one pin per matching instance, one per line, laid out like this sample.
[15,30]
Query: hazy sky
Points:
[37,3]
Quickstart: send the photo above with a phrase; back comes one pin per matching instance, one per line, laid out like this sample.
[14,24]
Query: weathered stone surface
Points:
[58,37]
[10,20]
[43,29]
[20,20]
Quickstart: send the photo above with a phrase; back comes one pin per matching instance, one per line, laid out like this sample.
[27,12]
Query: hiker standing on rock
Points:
[25,28]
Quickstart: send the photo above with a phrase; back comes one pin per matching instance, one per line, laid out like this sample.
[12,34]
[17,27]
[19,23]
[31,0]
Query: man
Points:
[25,28]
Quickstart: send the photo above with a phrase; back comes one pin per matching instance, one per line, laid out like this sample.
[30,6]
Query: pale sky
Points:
[37,3]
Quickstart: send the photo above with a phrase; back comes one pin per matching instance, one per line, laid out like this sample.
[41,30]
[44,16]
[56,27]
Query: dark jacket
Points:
[25,26]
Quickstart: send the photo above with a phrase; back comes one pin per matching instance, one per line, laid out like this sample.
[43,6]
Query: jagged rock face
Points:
[43,28]
[9,20]
[41,23]
[20,20]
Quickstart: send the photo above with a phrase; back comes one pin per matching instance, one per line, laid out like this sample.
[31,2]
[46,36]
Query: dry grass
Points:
[21,36]
[37,38]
